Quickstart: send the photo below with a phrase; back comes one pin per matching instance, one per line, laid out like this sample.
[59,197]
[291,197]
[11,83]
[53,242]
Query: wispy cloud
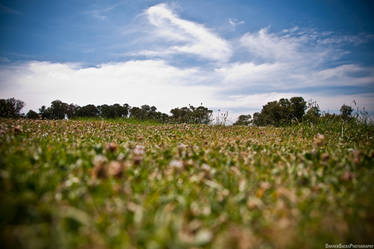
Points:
[4,59]
[101,13]
[293,59]
[9,10]
[235,22]
[183,37]
[288,46]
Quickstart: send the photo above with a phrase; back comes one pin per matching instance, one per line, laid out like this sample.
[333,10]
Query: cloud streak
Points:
[234,22]
[9,10]
[185,37]
[293,59]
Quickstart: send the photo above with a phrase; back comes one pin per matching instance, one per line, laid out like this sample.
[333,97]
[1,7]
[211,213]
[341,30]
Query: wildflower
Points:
[115,169]
[288,194]
[265,185]
[99,170]
[138,154]
[188,163]
[208,171]
[139,150]
[17,129]
[347,176]
[206,167]
[138,160]
[182,147]
[203,236]
[325,156]
[222,194]
[254,202]
[242,185]
[177,164]
[235,170]
[112,147]
[99,160]
[182,150]
[319,140]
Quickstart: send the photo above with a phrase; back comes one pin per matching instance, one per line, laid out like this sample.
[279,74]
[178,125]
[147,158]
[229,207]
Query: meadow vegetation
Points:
[115,184]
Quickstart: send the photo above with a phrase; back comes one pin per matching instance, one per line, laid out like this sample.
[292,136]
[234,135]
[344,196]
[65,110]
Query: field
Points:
[112,184]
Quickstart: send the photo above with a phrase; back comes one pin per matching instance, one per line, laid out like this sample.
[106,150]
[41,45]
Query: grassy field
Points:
[112,184]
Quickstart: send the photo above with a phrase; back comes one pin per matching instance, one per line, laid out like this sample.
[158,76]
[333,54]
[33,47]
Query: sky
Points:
[230,56]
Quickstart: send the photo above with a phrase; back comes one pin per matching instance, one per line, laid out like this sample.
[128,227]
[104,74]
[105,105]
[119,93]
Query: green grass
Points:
[191,186]
[121,120]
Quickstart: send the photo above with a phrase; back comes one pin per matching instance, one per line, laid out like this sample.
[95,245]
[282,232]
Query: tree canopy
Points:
[282,112]
[192,115]
[287,111]
[10,108]
[346,111]
[243,120]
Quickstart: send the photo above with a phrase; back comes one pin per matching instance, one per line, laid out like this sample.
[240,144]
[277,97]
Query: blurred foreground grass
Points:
[100,184]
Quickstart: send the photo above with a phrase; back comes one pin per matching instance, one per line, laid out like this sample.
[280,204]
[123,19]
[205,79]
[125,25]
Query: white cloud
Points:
[344,75]
[292,59]
[288,76]
[269,46]
[187,37]
[101,12]
[288,46]
[235,22]
[330,39]
[140,82]
[250,74]
[300,45]
[134,82]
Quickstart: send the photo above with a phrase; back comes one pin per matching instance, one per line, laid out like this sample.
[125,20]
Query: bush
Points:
[32,115]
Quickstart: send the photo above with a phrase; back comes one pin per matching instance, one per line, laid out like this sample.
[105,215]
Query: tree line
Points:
[10,108]
[282,112]
[285,111]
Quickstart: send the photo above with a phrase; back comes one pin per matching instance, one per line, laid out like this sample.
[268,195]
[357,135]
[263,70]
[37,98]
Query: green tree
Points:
[32,115]
[243,120]
[114,111]
[313,113]
[45,112]
[346,111]
[191,114]
[136,113]
[257,119]
[298,107]
[10,108]
[58,109]
[280,113]
[88,111]
[72,110]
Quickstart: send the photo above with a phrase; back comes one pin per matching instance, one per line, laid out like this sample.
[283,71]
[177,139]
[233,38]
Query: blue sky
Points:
[229,55]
